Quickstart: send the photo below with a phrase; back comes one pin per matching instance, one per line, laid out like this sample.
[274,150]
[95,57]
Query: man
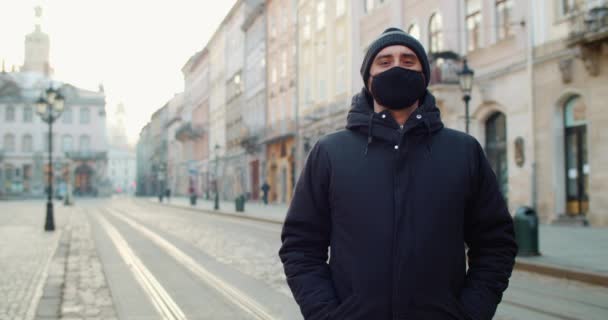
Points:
[396,196]
[265,189]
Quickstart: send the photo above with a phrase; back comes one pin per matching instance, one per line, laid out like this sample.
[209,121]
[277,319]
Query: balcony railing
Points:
[188,131]
[589,23]
[444,68]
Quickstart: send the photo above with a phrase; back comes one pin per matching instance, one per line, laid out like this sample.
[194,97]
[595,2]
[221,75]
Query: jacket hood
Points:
[425,120]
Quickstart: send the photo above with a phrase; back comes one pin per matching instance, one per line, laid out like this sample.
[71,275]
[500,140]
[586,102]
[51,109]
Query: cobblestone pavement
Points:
[25,255]
[85,293]
[250,250]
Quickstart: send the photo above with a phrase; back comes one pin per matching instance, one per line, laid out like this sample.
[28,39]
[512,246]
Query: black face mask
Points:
[398,88]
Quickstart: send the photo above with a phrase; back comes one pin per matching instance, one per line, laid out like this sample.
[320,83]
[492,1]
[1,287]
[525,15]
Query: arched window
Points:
[496,149]
[26,143]
[66,116]
[414,31]
[9,142]
[435,33]
[85,143]
[577,164]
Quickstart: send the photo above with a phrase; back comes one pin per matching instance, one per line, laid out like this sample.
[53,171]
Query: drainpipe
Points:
[530,72]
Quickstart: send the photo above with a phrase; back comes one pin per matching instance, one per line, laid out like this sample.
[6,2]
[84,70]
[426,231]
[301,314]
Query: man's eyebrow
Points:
[387,55]
[408,55]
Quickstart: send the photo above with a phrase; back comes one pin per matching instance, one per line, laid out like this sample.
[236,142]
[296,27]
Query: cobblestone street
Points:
[134,259]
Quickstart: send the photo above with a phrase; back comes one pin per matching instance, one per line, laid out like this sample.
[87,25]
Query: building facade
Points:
[254,112]
[79,140]
[121,156]
[281,81]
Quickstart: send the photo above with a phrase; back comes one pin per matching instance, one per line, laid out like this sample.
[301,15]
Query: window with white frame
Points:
[320,14]
[340,8]
[85,115]
[9,142]
[283,64]
[414,31]
[473,22]
[306,27]
[10,114]
[67,143]
[368,5]
[340,73]
[27,143]
[28,114]
[85,143]
[566,7]
[504,12]
[435,33]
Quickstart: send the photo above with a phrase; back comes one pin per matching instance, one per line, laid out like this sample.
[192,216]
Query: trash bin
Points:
[193,200]
[526,231]
[240,203]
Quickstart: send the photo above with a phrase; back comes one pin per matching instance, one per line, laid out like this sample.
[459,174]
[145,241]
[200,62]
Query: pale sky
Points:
[136,48]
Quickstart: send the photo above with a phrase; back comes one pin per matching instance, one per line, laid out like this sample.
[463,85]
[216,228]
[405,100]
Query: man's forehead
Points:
[395,50]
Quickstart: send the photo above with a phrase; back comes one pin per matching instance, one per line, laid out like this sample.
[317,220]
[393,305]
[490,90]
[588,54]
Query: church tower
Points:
[37,48]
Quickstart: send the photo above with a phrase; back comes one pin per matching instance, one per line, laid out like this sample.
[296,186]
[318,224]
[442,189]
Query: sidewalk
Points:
[576,253]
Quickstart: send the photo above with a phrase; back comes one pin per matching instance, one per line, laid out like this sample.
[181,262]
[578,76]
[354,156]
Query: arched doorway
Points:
[83,180]
[496,149]
[577,165]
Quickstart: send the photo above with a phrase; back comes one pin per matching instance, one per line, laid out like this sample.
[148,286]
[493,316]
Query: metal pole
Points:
[466,99]
[216,204]
[49,224]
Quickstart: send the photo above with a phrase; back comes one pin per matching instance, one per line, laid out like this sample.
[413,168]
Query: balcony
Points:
[84,155]
[187,131]
[589,32]
[444,68]
[280,130]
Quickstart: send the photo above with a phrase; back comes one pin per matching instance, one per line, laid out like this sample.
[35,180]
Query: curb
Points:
[50,301]
[214,212]
[588,277]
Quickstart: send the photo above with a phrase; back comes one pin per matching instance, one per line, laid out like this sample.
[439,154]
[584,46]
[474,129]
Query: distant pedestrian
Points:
[265,190]
[168,194]
[395,197]
[193,196]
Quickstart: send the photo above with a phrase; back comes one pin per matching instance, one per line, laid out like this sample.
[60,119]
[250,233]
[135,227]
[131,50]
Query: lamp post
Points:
[49,107]
[216,202]
[466,84]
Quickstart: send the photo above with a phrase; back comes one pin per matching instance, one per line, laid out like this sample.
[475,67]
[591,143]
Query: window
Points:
[414,31]
[85,115]
[320,14]
[369,5]
[273,75]
[340,73]
[273,27]
[322,86]
[9,142]
[28,114]
[85,143]
[67,143]
[26,143]
[283,64]
[566,7]
[340,34]
[66,117]
[306,27]
[435,33]
[473,22]
[10,114]
[340,8]
[504,11]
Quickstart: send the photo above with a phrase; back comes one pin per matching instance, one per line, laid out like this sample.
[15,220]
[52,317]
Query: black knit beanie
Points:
[395,36]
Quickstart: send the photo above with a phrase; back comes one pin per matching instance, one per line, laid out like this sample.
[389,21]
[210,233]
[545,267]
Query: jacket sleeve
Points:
[305,239]
[490,237]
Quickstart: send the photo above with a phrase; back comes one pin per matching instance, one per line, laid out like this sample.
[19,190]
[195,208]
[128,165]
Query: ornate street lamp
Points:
[49,107]
[466,85]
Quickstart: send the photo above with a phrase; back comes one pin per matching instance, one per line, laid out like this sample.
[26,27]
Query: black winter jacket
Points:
[396,207]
